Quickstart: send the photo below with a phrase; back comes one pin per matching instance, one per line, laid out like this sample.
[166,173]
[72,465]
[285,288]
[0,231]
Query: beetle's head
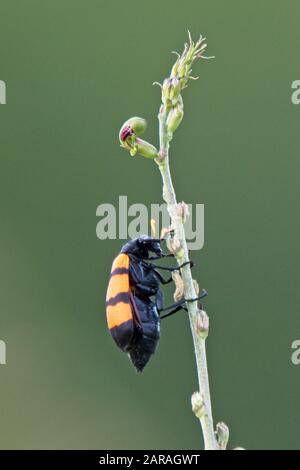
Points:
[142,245]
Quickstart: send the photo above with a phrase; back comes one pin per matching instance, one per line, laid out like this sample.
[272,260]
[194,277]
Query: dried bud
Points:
[178,294]
[222,432]
[174,246]
[165,231]
[182,210]
[202,324]
[198,405]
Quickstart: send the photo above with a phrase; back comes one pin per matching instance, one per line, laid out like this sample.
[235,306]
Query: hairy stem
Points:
[169,196]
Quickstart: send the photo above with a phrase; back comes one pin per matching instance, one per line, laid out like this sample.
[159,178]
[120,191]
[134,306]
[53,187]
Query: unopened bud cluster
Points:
[173,85]
[130,140]
[172,100]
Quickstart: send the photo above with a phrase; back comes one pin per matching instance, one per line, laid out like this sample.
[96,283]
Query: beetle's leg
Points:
[174,310]
[170,279]
[180,305]
[163,239]
[166,281]
[201,296]
[175,305]
[161,279]
[159,300]
[154,240]
[164,255]
[165,268]
[138,282]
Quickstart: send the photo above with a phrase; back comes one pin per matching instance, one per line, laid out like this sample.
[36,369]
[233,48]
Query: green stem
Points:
[169,196]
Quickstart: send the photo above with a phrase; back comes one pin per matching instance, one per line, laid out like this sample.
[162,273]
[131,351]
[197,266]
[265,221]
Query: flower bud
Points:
[198,405]
[175,247]
[132,128]
[202,324]
[183,66]
[222,432]
[170,90]
[165,231]
[179,291]
[137,124]
[129,140]
[144,148]
[127,137]
[174,118]
[182,210]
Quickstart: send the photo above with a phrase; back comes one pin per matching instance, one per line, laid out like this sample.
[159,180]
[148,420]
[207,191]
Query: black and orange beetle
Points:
[132,317]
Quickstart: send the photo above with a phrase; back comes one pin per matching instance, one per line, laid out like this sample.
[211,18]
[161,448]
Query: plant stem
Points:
[169,196]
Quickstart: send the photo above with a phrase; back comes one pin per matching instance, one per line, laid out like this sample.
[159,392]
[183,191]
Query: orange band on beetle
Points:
[118,283]
[118,314]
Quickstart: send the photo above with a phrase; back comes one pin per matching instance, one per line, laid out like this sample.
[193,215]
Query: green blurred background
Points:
[75,70]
